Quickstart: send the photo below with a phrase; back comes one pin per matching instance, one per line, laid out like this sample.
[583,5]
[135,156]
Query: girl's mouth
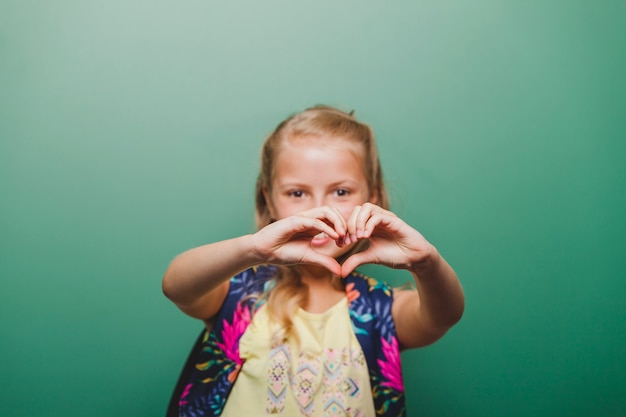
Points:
[320,240]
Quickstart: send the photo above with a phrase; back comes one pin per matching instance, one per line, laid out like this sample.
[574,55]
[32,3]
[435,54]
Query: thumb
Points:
[353,262]
[327,262]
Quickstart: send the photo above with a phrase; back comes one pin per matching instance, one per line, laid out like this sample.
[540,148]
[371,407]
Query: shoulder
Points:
[246,288]
[366,285]
[369,296]
[370,303]
[254,279]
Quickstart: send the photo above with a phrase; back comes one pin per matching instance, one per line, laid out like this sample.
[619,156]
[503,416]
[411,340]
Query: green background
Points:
[130,131]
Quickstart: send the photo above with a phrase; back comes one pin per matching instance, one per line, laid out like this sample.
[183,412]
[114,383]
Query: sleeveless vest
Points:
[370,313]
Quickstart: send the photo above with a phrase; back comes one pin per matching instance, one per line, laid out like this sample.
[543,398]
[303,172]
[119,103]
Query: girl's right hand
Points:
[288,240]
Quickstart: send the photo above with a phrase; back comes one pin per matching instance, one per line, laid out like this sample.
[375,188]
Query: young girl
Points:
[292,329]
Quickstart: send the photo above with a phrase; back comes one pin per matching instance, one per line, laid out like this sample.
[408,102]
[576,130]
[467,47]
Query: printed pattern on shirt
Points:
[327,373]
[277,380]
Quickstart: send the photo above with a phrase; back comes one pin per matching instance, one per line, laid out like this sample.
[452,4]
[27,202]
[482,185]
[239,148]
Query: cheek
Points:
[285,209]
[346,211]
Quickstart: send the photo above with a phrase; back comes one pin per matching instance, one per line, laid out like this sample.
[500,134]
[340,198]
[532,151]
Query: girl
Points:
[292,330]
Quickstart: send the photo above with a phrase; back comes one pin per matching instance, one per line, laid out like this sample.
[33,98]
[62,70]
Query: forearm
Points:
[195,273]
[441,298]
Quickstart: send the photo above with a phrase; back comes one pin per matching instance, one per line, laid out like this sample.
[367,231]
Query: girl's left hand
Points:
[392,242]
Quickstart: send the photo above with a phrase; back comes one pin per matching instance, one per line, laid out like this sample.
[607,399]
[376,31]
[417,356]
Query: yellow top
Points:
[324,375]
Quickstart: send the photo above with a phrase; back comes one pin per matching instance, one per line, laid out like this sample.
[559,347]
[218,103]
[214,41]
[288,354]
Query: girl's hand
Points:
[288,241]
[392,242]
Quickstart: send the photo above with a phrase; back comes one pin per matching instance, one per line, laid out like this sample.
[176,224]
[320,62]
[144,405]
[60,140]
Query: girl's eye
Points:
[295,193]
[342,192]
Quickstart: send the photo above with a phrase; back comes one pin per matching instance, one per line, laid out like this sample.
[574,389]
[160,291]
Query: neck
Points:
[322,291]
[313,275]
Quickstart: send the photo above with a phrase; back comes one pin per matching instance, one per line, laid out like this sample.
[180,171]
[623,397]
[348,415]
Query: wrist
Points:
[427,263]
[254,249]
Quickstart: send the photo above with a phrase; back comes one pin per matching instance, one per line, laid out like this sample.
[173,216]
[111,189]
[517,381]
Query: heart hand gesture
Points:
[289,240]
[392,242]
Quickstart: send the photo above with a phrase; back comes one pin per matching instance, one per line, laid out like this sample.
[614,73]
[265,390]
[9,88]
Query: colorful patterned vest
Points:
[370,312]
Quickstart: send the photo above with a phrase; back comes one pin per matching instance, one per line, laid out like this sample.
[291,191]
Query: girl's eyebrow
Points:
[292,184]
[296,184]
[343,182]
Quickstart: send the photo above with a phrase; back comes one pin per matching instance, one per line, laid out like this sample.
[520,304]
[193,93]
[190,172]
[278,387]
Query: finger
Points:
[385,221]
[355,261]
[370,216]
[366,212]
[340,223]
[329,215]
[341,228]
[309,227]
[326,261]
[371,224]
[351,223]
[324,227]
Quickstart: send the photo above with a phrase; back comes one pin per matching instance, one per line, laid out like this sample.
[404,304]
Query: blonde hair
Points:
[315,122]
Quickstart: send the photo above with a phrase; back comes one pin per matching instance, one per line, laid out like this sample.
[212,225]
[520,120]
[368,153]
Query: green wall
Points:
[129,132]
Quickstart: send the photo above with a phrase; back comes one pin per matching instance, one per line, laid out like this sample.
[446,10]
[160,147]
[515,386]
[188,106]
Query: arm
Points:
[421,316]
[197,281]
[425,315]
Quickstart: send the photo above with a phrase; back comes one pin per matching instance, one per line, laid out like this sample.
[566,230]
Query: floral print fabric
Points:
[370,313]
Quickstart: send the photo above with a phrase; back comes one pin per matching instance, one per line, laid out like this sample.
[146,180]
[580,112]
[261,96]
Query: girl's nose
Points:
[319,201]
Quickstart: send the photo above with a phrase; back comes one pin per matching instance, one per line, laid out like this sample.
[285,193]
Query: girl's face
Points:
[313,172]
